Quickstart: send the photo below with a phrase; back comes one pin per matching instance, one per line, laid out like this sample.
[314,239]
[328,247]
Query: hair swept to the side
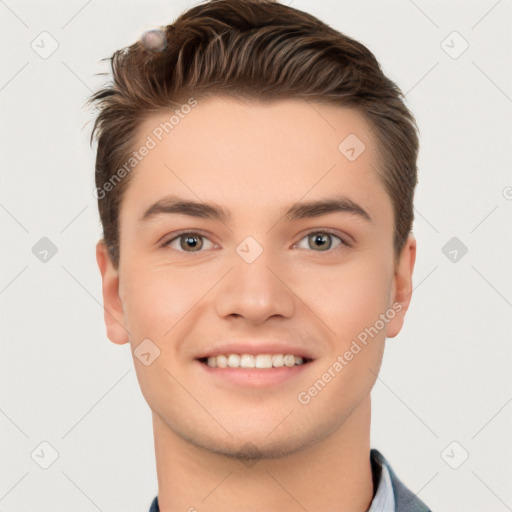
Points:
[259,50]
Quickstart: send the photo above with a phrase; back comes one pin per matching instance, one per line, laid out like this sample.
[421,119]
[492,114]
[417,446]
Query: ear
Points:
[401,289]
[112,305]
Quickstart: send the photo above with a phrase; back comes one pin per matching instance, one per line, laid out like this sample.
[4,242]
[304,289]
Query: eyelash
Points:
[180,234]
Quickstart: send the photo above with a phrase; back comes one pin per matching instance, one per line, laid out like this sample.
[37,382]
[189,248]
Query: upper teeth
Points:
[250,361]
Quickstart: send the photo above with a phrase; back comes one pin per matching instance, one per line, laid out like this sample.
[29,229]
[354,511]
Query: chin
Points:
[249,452]
[251,445]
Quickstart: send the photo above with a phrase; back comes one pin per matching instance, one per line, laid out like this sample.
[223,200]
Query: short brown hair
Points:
[253,49]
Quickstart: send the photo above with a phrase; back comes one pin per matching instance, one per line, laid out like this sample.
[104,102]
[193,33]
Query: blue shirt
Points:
[391,495]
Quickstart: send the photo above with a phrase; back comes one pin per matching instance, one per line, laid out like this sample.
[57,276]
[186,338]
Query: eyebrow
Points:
[171,205]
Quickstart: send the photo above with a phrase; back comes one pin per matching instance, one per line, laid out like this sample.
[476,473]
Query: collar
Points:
[384,497]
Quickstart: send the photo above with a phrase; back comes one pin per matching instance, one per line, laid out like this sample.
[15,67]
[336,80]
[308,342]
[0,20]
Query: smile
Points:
[263,361]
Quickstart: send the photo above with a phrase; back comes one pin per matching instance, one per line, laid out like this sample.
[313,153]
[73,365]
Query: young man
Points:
[255,177]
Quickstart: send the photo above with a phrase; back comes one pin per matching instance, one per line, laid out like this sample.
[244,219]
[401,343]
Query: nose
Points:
[255,291]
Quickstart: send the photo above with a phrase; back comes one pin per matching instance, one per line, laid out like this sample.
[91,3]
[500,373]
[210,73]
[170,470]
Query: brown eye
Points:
[191,242]
[188,242]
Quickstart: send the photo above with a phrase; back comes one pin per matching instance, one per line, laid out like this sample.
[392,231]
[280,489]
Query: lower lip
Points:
[255,377]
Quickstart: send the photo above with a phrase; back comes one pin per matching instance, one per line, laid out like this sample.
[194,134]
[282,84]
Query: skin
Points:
[256,160]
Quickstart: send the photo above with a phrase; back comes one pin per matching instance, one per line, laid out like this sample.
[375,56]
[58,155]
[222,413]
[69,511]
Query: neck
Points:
[331,474]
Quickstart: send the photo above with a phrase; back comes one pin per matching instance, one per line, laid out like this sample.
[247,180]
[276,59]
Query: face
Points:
[295,258]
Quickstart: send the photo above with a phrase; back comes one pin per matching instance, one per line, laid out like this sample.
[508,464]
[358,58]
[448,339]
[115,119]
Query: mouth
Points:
[254,361]
[254,371]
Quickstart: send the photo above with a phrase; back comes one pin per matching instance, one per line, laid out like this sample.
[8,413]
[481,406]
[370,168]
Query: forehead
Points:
[240,152]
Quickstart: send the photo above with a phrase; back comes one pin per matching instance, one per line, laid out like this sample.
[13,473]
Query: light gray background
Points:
[445,378]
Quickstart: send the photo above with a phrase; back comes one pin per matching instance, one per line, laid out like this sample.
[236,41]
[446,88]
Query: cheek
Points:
[348,297]
[157,299]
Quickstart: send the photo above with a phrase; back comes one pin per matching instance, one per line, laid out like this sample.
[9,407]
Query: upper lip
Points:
[257,347]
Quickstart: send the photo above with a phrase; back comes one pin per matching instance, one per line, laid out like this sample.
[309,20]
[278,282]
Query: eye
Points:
[192,241]
[321,240]
[188,241]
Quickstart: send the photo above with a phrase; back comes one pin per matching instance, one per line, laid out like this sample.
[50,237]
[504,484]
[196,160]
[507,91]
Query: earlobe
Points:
[402,287]
[112,305]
